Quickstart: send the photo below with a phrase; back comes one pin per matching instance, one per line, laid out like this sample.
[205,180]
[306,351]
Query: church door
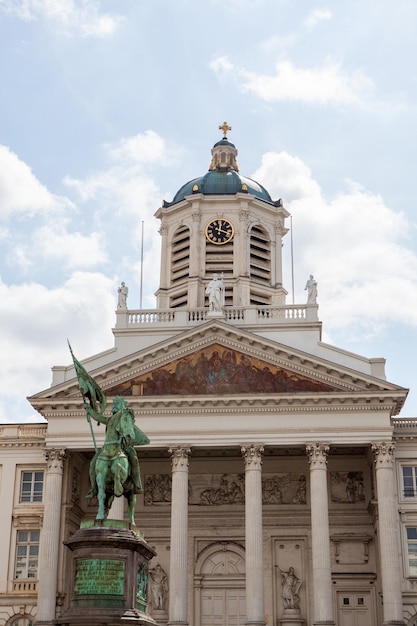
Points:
[354,609]
[223,607]
[220,597]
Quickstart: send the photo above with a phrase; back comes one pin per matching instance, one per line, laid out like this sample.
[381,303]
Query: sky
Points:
[108,108]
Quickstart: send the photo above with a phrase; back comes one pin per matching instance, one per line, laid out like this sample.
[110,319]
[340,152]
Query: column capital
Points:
[252,455]
[55,459]
[383,453]
[317,454]
[179,457]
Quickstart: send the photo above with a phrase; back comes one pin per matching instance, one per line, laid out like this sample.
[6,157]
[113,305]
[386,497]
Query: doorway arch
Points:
[219,585]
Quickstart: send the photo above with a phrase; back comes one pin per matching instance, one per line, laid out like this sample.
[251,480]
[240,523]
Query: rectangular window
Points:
[27,553]
[412,551]
[31,488]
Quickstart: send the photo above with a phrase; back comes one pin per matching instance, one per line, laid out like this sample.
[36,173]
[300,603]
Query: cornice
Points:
[335,402]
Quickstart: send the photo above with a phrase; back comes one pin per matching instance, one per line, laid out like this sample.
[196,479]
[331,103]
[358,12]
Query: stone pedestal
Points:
[109,576]
[291,617]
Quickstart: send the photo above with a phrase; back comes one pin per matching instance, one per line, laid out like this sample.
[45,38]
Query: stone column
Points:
[320,534]
[388,533]
[255,610]
[50,536]
[178,570]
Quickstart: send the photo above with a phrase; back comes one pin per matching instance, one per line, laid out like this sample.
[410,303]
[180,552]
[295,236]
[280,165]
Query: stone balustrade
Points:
[241,316]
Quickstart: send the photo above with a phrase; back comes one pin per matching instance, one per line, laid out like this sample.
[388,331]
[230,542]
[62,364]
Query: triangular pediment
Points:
[218,370]
[218,360]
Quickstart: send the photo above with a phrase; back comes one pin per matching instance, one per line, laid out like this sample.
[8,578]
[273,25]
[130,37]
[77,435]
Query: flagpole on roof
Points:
[141,270]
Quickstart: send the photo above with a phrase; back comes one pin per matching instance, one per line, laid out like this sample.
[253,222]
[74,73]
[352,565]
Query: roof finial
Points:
[225,128]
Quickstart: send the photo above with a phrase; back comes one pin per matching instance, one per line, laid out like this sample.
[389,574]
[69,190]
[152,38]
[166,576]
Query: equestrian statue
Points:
[114,470]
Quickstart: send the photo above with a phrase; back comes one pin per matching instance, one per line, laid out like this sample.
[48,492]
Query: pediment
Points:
[217,369]
[216,359]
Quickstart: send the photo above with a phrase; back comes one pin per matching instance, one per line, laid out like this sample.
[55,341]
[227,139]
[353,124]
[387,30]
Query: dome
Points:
[219,183]
[223,177]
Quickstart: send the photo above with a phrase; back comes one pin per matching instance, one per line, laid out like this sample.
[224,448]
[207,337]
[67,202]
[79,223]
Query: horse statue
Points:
[114,470]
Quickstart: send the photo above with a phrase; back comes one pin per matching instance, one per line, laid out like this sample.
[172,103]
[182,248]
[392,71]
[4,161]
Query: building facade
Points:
[279,485]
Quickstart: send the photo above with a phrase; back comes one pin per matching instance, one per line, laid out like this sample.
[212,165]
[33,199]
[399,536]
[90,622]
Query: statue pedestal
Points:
[160,616]
[109,575]
[291,617]
[216,314]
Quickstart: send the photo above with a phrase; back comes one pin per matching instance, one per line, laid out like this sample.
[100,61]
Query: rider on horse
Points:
[119,408]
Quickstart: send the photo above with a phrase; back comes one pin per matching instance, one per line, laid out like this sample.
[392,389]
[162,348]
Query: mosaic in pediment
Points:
[217,370]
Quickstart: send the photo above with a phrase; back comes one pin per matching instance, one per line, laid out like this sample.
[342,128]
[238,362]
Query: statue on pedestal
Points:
[158,584]
[215,293]
[311,288]
[122,293]
[114,470]
[290,587]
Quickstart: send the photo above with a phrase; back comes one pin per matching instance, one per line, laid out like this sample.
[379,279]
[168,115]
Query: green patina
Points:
[99,577]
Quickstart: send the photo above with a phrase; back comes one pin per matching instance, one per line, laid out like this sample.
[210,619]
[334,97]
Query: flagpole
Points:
[141,270]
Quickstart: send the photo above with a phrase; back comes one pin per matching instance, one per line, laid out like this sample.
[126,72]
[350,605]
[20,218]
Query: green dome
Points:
[217,183]
[223,177]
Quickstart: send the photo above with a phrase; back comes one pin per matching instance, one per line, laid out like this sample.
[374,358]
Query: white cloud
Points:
[316,16]
[21,192]
[353,243]
[147,147]
[325,84]
[32,317]
[72,17]
[74,250]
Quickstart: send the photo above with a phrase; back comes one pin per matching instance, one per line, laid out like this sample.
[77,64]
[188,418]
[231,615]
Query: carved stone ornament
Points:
[384,453]
[317,454]
[179,456]
[253,456]
[55,459]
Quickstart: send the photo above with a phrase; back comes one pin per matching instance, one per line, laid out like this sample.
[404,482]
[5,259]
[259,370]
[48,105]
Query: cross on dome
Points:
[224,127]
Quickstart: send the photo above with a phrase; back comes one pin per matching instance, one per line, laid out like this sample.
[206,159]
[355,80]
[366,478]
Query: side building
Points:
[279,482]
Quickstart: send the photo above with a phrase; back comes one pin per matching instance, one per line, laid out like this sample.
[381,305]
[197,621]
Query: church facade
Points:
[279,484]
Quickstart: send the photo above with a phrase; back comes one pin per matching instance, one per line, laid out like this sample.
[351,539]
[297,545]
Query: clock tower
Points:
[222,223]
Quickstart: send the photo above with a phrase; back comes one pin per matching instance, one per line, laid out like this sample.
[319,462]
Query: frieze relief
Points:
[347,487]
[227,489]
[218,370]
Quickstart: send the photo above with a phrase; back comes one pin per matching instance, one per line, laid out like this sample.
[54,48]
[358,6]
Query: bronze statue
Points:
[114,470]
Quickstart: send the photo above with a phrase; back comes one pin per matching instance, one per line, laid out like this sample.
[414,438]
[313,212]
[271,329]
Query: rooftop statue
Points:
[114,470]
[122,293]
[311,288]
[215,293]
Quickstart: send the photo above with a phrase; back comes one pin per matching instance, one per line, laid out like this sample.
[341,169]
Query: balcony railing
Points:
[241,316]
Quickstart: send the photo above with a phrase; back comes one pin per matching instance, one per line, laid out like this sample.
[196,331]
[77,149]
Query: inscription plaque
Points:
[99,577]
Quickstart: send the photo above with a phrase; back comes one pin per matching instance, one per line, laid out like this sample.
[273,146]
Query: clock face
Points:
[220,231]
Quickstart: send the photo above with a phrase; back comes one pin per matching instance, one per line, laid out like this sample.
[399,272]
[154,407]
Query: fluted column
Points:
[178,579]
[388,533]
[50,536]
[255,610]
[320,534]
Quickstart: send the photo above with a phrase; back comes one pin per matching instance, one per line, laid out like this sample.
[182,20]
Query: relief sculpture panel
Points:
[221,489]
[347,487]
